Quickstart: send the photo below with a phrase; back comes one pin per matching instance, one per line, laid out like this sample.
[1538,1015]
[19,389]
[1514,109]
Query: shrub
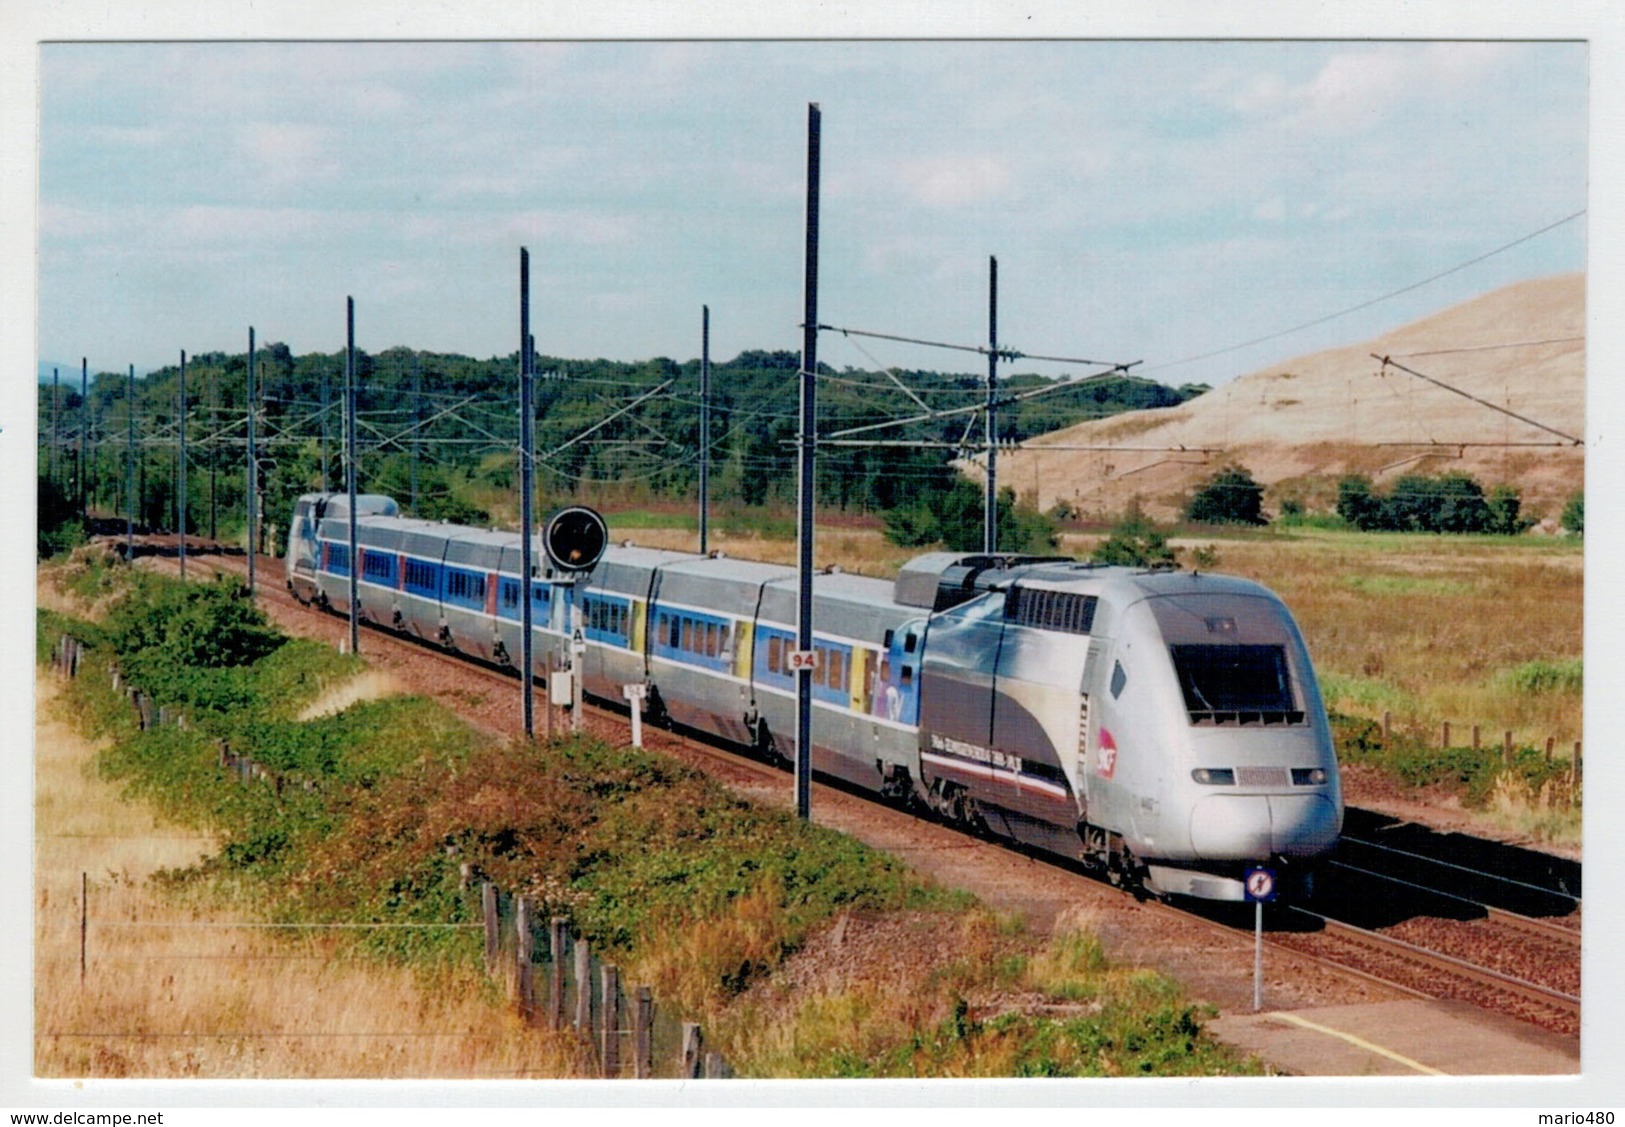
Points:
[1418,503]
[955,519]
[1574,514]
[163,629]
[1231,496]
[1135,542]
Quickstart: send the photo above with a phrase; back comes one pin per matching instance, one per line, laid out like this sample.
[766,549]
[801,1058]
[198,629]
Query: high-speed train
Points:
[1163,726]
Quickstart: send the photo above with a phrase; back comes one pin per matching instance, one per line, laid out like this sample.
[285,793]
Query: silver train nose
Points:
[1226,826]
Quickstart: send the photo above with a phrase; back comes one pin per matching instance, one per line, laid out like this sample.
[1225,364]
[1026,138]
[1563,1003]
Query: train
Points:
[1159,726]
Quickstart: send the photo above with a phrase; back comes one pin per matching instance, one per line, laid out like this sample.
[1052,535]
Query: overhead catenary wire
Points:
[1373,301]
[1389,362]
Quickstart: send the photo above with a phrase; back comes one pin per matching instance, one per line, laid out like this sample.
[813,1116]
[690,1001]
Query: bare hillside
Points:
[1300,426]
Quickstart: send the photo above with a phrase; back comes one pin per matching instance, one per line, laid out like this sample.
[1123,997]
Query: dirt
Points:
[1300,425]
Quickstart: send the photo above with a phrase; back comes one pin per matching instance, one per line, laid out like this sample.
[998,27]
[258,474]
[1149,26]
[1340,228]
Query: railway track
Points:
[1423,924]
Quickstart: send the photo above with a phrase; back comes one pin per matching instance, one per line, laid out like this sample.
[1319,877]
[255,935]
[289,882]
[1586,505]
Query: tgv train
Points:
[1165,727]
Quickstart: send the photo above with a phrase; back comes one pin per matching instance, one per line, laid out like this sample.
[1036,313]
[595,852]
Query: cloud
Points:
[1351,89]
[289,153]
[957,181]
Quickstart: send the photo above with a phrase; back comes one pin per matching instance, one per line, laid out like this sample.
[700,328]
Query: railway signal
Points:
[575,538]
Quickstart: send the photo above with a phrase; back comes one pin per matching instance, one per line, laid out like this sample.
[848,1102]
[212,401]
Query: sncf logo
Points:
[1106,756]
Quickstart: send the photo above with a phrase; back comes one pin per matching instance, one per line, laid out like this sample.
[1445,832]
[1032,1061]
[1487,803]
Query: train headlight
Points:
[1215,776]
[1308,776]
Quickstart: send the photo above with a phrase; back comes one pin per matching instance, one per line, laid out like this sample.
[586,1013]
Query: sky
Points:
[1146,201]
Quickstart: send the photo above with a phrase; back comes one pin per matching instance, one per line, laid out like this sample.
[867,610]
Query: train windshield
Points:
[1236,684]
[1235,656]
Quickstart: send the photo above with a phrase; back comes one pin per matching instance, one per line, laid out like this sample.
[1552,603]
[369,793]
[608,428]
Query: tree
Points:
[1231,496]
[1357,505]
[1135,542]
[955,518]
[1505,519]
[1574,514]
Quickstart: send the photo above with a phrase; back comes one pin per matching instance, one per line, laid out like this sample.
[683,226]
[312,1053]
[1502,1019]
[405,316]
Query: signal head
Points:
[575,538]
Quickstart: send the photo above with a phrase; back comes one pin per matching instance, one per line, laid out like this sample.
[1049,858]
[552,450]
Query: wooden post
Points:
[693,1050]
[1506,748]
[583,988]
[610,1018]
[1551,743]
[1444,740]
[1574,766]
[715,1067]
[555,974]
[643,1030]
[488,909]
[523,981]
[1475,737]
[1387,725]
[84,925]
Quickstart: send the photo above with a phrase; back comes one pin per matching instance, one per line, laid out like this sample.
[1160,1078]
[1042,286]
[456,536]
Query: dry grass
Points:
[371,684]
[168,994]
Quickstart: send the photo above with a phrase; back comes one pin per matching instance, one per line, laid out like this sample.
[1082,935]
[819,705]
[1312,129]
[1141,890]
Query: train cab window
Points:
[1236,684]
[908,676]
[910,640]
[886,642]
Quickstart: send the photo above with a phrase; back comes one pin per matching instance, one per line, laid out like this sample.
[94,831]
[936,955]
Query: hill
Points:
[1300,426]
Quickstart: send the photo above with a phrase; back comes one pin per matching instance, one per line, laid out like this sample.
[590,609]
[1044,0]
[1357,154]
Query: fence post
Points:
[1444,739]
[1574,766]
[583,987]
[555,974]
[1506,748]
[1387,725]
[523,981]
[610,1016]
[1551,743]
[693,1049]
[488,910]
[643,1028]
[1475,737]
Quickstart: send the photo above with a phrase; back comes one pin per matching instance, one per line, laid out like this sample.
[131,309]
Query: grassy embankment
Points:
[688,888]
[1430,629]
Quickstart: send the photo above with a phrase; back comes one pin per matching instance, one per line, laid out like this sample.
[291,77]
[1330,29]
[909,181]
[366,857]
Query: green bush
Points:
[955,518]
[1574,514]
[1135,542]
[1452,503]
[1230,496]
[165,632]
